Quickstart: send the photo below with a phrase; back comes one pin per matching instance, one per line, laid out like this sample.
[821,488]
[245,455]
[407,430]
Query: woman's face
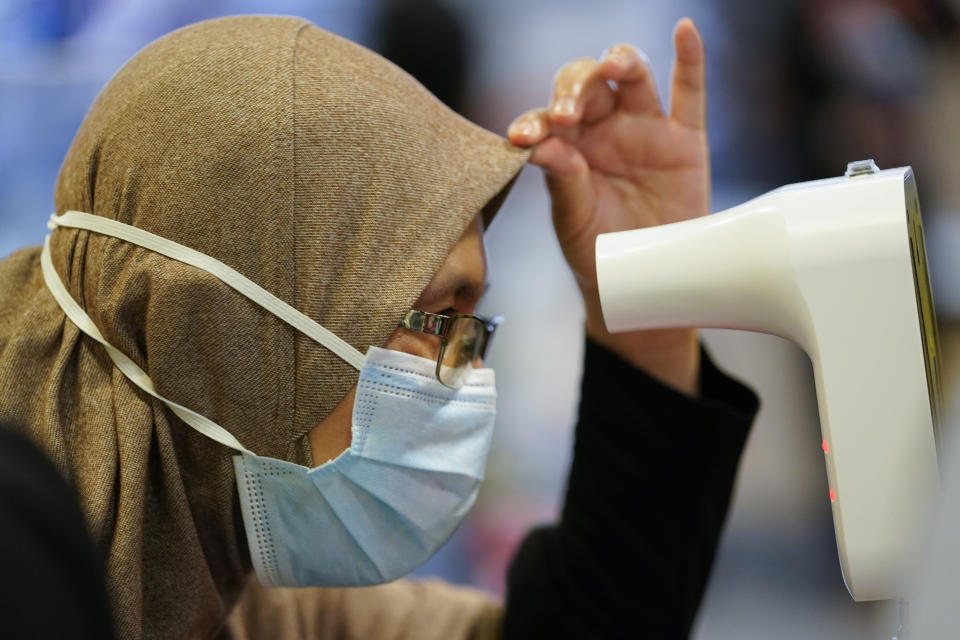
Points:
[455,288]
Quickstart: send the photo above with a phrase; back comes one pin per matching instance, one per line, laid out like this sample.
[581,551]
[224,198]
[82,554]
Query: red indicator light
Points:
[825,446]
[833,495]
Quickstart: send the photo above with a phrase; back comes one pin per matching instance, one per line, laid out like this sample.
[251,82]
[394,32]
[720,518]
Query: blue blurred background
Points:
[796,90]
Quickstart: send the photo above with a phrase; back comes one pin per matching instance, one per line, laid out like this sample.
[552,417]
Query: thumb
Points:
[571,189]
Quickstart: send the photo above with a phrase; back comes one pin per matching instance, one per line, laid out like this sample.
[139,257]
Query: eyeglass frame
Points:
[438,324]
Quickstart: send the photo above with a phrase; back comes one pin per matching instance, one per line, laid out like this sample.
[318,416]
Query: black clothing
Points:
[648,492]
[51,581]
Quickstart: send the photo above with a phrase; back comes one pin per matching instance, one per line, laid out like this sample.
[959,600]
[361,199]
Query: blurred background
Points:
[796,90]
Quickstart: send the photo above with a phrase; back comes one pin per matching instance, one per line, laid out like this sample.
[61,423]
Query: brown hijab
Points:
[312,166]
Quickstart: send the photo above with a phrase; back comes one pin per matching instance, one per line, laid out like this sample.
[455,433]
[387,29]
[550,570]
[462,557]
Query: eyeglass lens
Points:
[464,341]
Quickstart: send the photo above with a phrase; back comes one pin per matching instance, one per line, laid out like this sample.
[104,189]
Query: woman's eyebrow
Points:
[463,287]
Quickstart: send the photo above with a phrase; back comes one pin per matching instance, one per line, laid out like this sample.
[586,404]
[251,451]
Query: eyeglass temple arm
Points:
[490,325]
[432,323]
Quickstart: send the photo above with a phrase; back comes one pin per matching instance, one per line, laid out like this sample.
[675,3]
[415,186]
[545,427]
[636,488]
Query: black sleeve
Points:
[52,584]
[649,488]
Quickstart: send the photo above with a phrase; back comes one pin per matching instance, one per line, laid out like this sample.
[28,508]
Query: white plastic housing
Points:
[828,265]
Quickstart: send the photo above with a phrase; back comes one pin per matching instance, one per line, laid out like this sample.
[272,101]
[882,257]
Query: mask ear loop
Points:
[232,278]
[171,249]
[128,367]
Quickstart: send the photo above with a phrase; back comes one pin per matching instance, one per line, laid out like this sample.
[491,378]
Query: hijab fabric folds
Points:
[312,166]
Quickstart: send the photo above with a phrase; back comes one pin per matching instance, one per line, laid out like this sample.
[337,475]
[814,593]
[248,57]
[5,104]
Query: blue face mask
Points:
[386,504]
[382,507]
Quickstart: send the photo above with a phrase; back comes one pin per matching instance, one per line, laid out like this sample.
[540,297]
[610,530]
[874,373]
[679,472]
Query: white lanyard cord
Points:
[229,276]
[127,366]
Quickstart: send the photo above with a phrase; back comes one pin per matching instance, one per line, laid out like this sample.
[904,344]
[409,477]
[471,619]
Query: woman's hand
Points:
[615,161]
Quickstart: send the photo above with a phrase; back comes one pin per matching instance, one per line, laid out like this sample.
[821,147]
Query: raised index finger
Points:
[688,95]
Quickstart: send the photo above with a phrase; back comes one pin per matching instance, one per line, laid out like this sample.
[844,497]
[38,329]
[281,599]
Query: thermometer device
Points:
[839,267]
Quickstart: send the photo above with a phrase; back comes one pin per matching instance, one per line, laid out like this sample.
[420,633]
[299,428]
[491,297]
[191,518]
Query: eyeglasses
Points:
[464,339]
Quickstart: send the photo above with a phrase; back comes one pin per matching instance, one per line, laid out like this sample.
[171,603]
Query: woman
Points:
[331,188]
